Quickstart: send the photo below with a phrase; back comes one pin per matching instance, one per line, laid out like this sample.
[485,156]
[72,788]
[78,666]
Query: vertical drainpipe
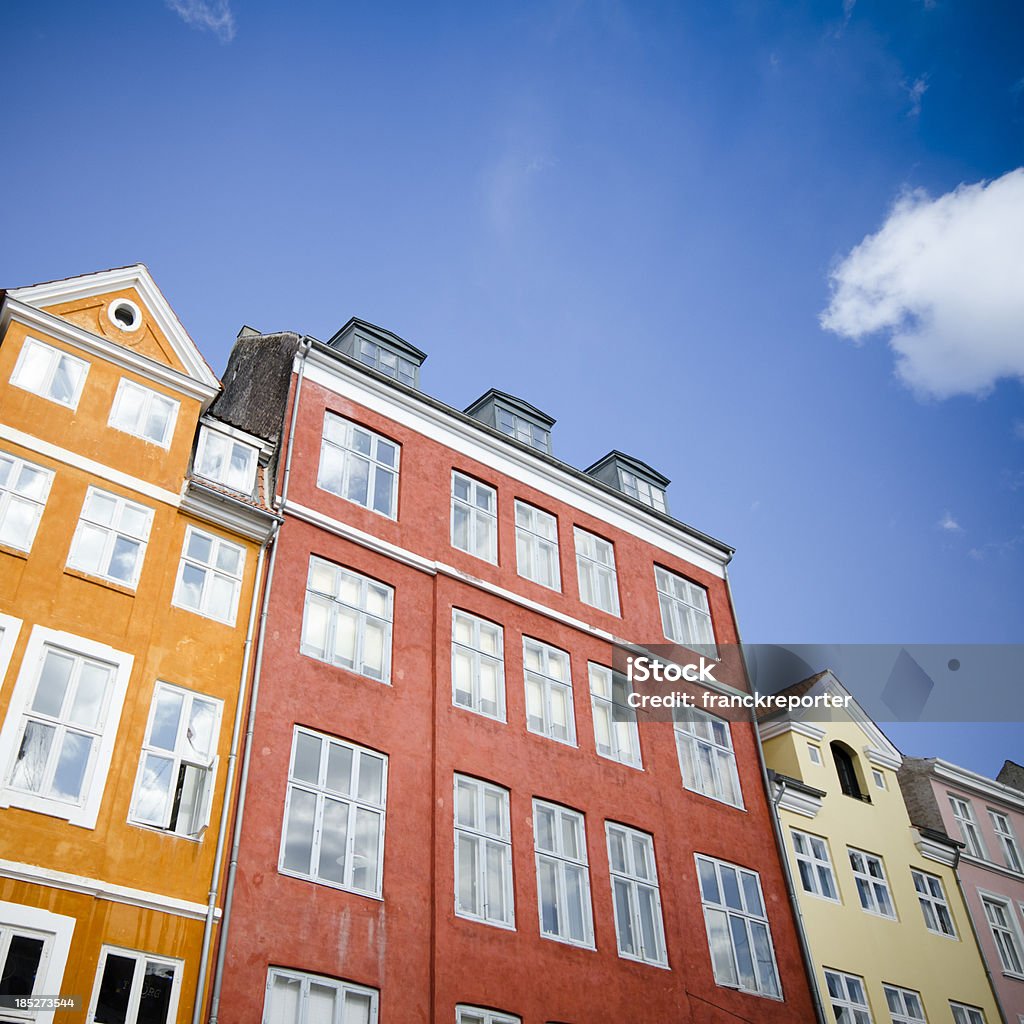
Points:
[218,977]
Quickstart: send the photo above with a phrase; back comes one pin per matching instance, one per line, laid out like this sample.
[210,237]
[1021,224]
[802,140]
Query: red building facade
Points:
[440,821]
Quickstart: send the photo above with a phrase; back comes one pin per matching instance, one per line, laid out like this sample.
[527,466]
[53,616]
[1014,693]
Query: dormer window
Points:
[633,478]
[514,417]
[523,430]
[226,461]
[381,350]
[641,489]
[389,363]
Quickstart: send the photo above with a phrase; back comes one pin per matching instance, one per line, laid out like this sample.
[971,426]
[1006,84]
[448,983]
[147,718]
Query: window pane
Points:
[155,1000]
[298,843]
[21,966]
[115,990]
[53,683]
[333,841]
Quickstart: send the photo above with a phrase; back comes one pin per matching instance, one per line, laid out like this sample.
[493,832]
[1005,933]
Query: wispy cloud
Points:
[915,93]
[942,279]
[949,524]
[1018,429]
[209,15]
[998,548]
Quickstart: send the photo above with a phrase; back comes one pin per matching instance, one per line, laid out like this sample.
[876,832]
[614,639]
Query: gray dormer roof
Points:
[606,468]
[517,405]
[341,339]
[382,350]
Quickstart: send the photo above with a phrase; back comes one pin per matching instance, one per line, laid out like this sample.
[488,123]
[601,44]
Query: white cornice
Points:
[777,726]
[933,849]
[882,758]
[138,277]
[265,448]
[227,512]
[987,788]
[805,804]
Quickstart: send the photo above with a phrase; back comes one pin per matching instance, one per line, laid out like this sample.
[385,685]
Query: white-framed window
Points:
[483,853]
[359,466]
[872,887]
[143,412]
[549,707]
[110,539]
[963,812]
[879,779]
[1007,840]
[639,929]
[474,517]
[478,1015]
[174,783]
[58,737]
[595,565]
[848,998]
[227,461]
[537,546]
[478,665]
[642,490]
[1000,917]
[334,813]
[814,753]
[616,735]
[50,373]
[706,758]
[742,954]
[34,947]
[685,613]
[814,865]
[387,362]
[295,997]
[522,429]
[905,1006]
[964,1014]
[347,620]
[209,577]
[24,488]
[135,988]
[563,877]
[932,897]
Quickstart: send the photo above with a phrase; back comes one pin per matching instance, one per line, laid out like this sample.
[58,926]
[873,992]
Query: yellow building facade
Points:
[886,926]
[132,535]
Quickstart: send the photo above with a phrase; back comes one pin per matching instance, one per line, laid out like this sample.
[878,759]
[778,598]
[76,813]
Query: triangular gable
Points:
[84,301]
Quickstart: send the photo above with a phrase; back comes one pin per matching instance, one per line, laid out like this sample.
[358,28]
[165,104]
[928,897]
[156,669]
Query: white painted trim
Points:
[932,849]
[882,758]
[76,461]
[479,445]
[226,512]
[61,928]
[793,800]
[136,319]
[173,419]
[978,784]
[265,447]
[776,727]
[140,957]
[11,629]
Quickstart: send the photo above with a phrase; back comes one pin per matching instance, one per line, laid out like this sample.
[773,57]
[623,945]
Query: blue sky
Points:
[633,216]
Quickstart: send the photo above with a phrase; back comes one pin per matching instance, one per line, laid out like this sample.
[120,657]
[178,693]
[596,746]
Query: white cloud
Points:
[944,278]
[212,15]
[949,524]
[915,92]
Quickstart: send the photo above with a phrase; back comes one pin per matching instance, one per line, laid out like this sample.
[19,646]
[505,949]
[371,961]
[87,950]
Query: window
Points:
[847,771]
[537,546]
[522,429]
[478,665]
[932,898]
[135,988]
[209,576]
[334,813]
[685,615]
[476,1015]
[387,362]
[999,914]
[549,709]
[359,466]
[848,998]
[904,1005]
[964,814]
[964,1014]
[34,947]
[563,878]
[638,922]
[872,887]
[1007,840]
[879,779]
[143,413]
[814,865]
[595,563]
[483,853]
[174,785]
[22,954]
[110,540]
[814,753]
[226,461]
[642,490]
[740,942]
[297,998]
[706,757]
[50,373]
[474,517]
[24,488]
[347,620]
[615,730]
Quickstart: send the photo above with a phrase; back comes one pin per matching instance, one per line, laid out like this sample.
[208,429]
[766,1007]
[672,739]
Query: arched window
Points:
[846,771]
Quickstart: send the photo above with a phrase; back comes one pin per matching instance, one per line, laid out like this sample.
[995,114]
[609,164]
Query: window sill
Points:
[154,830]
[646,963]
[589,946]
[484,921]
[379,898]
[118,588]
[6,549]
[343,668]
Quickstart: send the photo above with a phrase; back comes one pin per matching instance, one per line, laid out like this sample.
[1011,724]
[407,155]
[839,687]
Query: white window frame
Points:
[623,743]
[532,542]
[963,813]
[595,570]
[211,571]
[350,456]
[182,758]
[814,753]
[633,875]
[306,979]
[138,428]
[141,960]
[55,356]
[113,534]
[685,612]
[564,865]
[816,857]
[522,429]
[209,436]
[483,841]
[966,1014]
[336,609]
[1006,933]
[879,780]
[40,640]
[643,490]
[1003,828]
[321,791]
[371,354]
[56,930]
[706,763]
[481,523]
[933,902]
[465,1014]
[905,997]
[858,1010]
[869,894]
[8,495]
[548,685]
[475,656]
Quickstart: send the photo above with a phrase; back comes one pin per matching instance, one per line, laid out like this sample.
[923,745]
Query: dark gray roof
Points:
[389,337]
[640,468]
[516,404]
